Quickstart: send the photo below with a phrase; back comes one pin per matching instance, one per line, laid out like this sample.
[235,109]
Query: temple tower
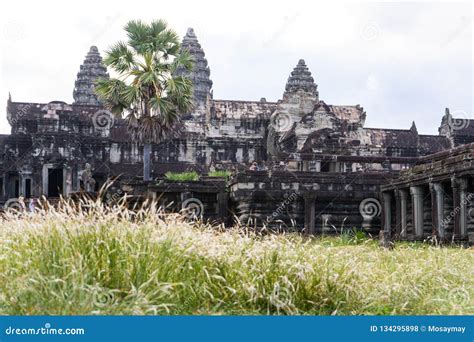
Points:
[200,75]
[301,79]
[90,70]
[287,132]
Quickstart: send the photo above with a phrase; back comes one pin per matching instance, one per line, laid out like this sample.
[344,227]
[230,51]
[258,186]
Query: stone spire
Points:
[200,75]
[300,78]
[446,124]
[90,70]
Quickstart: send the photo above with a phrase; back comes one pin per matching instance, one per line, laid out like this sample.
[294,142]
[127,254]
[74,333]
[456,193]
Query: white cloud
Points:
[420,52]
[372,84]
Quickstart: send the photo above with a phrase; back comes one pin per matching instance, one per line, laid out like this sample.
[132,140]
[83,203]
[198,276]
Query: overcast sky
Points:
[401,61]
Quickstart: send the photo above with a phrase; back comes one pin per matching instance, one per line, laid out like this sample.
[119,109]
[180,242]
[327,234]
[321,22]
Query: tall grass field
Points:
[70,261]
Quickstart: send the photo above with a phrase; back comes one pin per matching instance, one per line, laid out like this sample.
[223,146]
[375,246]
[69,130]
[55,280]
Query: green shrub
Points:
[354,236]
[221,173]
[182,176]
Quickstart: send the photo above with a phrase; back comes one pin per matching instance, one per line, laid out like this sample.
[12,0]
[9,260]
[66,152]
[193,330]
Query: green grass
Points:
[221,173]
[114,261]
[182,176]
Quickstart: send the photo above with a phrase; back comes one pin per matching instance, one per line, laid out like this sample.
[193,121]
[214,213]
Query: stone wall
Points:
[434,199]
[305,201]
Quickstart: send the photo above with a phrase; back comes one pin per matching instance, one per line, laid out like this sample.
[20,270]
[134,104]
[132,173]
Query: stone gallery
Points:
[295,164]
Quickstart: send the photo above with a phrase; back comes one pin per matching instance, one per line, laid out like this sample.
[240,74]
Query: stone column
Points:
[398,223]
[222,199]
[456,208]
[45,178]
[21,184]
[463,202]
[147,150]
[3,189]
[67,181]
[317,165]
[434,211]
[417,208]
[309,213]
[305,165]
[403,212]
[438,210]
[387,212]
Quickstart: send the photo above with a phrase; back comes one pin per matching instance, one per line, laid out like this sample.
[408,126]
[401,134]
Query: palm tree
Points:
[148,91]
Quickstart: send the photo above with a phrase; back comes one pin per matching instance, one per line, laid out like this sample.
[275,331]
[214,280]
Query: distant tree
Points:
[147,90]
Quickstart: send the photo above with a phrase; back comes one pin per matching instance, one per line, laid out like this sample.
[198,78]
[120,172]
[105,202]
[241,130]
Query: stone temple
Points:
[298,163]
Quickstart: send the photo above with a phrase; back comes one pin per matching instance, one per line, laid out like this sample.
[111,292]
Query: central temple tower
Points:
[200,75]
[89,72]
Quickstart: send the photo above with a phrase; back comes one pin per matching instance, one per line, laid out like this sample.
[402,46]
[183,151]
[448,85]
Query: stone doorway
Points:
[12,187]
[16,188]
[55,182]
[28,188]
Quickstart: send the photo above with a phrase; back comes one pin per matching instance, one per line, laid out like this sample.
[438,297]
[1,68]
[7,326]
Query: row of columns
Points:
[310,212]
[458,215]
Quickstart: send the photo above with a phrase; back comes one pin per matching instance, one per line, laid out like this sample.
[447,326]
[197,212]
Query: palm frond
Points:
[137,32]
[157,27]
[120,58]
[183,62]
[111,92]
[150,92]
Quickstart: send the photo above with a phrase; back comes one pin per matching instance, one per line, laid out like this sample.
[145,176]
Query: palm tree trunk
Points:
[146,162]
